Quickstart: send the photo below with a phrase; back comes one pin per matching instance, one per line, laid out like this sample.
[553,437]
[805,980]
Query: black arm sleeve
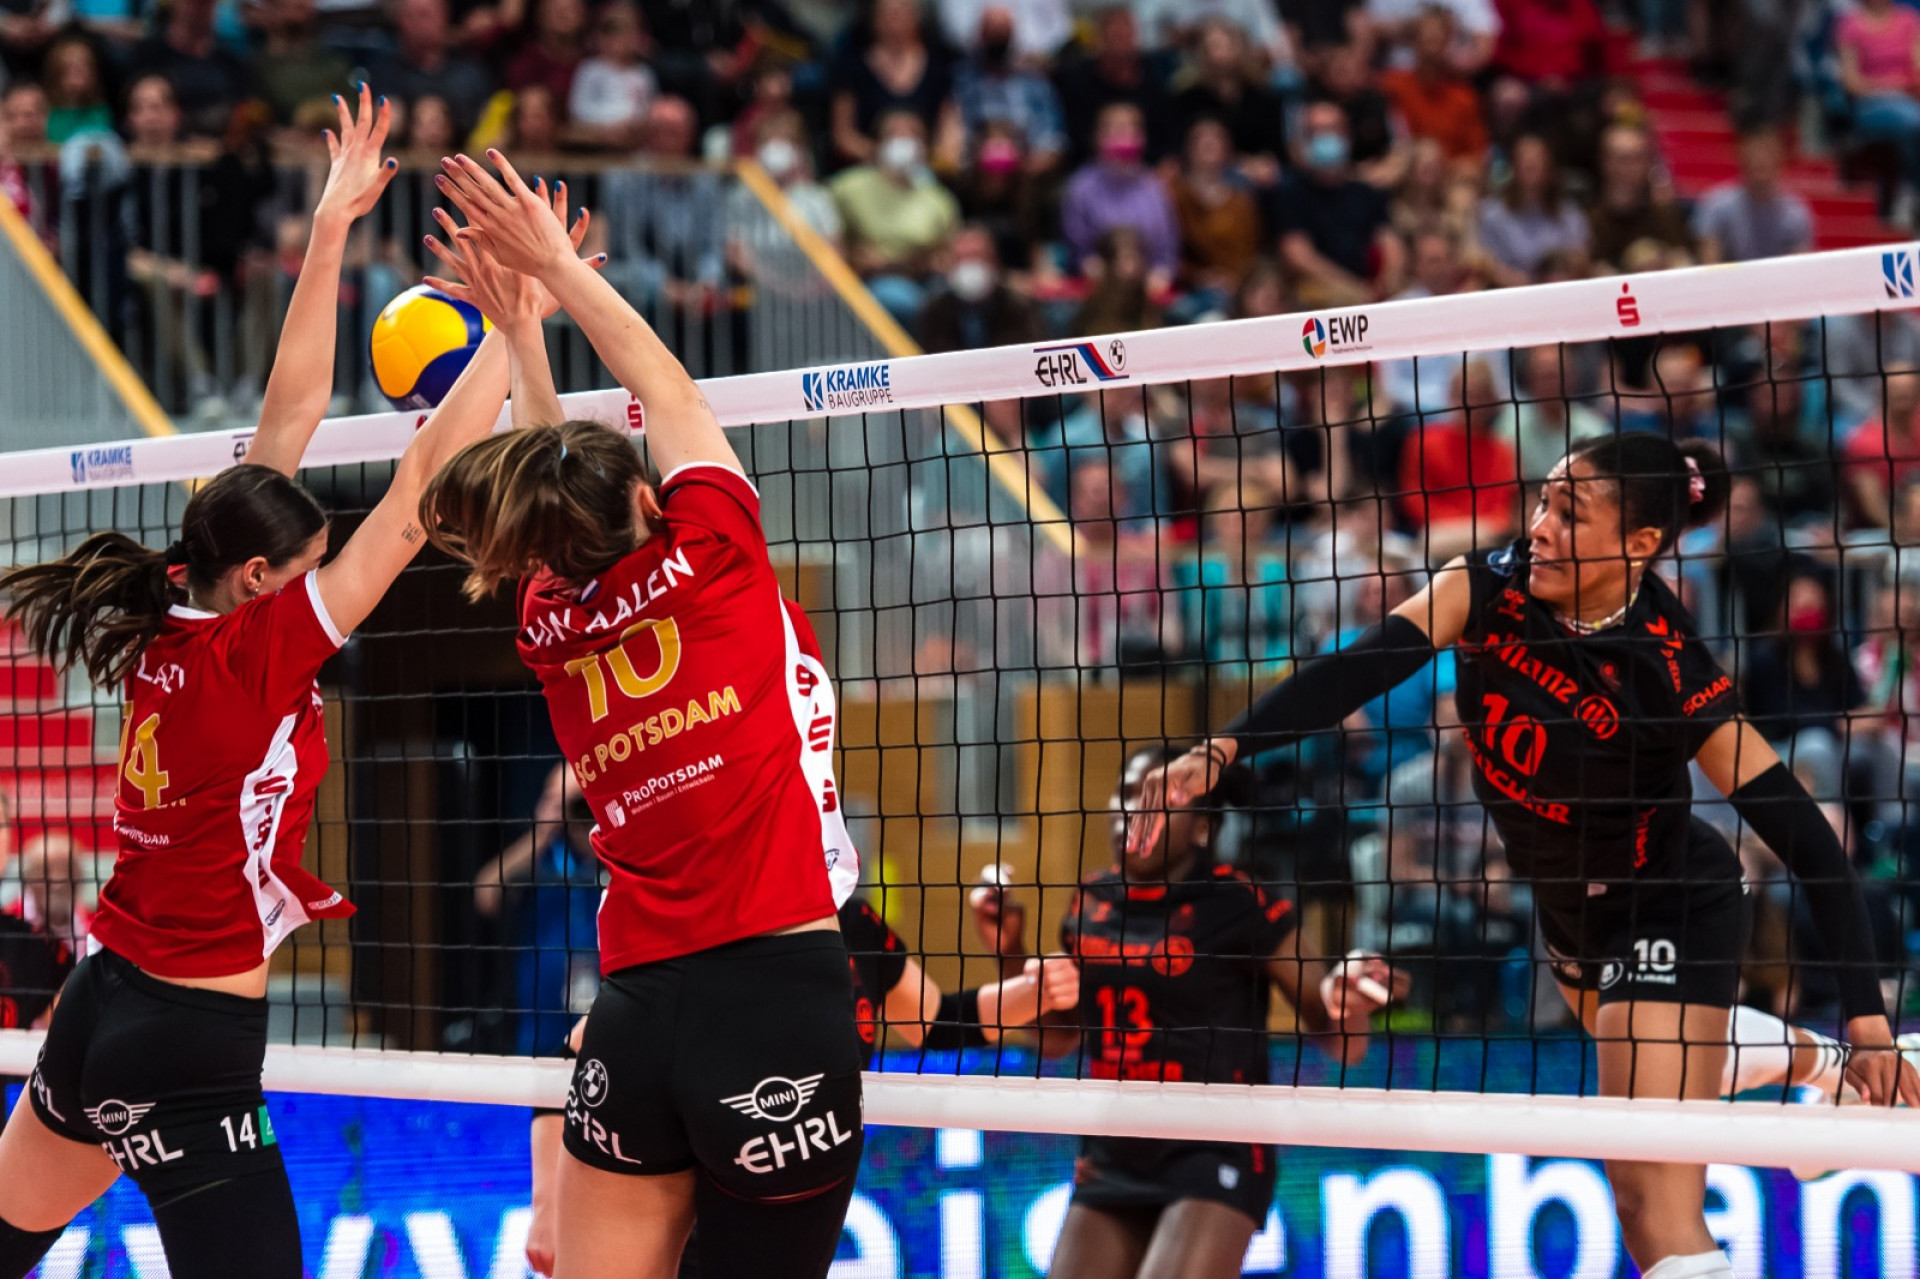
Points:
[957,1023]
[1780,811]
[1326,690]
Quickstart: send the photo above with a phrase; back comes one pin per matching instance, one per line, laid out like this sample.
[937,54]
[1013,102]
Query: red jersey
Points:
[221,752]
[681,700]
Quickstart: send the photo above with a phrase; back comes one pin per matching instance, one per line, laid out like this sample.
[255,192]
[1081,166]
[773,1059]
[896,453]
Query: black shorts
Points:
[742,1060]
[1127,1174]
[164,1078]
[1662,942]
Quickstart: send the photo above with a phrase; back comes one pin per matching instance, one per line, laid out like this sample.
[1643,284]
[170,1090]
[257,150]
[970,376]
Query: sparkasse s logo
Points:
[853,386]
[1627,308]
[1080,363]
[1338,334]
[1897,272]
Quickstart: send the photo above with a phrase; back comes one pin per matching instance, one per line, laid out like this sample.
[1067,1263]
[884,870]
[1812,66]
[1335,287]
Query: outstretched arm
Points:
[1770,800]
[1318,696]
[917,1009]
[508,219]
[302,379]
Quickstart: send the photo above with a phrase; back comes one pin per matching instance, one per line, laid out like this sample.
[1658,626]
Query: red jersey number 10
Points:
[631,683]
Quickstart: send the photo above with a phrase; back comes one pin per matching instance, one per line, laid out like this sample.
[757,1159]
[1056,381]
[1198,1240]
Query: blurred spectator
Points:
[1426,384]
[1333,228]
[24,106]
[1433,198]
[780,145]
[1338,572]
[1174,24]
[76,95]
[430,129]
[1531,218]
[550,879]
[1044,26]
[1629,211]
[997,191]
[614,89]
[1879,47]
[13,175]
[1345,78]
[26,28]
[534,125]
[1753,218]
[664,225]
[1110,430]
[1315,27]
[898,219]
[992,89]
[1115,71]
[1398,725]
[1116,189]
[1857,350]
[1799,687]
[423,62]
[1125,287]
[1121,618]
[1458,473]
[153,113]
[1433,99]
[1881,455]
[207,80]
[554,53]
[1222,438]
[1551,45]
[888,65]
[1231,589]
[1222,82]
[33,963]
[1220,230]
[1754,574]
[293,70]
[1797,477]
[771,93]
[1476,25]
[976,308]
[1544,421]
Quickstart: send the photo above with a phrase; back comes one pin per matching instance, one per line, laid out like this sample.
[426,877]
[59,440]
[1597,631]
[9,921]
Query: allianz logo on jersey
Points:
[110,462]
[852,386]
[1897,272]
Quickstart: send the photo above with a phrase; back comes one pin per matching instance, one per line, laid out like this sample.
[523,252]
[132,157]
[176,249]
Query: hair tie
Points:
[1696,483]
[177,556]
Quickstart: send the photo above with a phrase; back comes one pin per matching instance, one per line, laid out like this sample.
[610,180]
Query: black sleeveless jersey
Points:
[1581,743]
[1173,977]
[878,959]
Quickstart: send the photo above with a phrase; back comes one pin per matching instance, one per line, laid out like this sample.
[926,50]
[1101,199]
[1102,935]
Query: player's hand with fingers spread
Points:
[1058,977]
[1875,1066]
[504,296]
[1174,784]
[513,221]
[357,174]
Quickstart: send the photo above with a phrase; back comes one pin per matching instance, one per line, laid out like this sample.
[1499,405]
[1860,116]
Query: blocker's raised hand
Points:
[502,294]
[357,175]
[513,221]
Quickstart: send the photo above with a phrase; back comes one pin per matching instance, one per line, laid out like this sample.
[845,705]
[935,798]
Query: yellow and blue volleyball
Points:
[421,342]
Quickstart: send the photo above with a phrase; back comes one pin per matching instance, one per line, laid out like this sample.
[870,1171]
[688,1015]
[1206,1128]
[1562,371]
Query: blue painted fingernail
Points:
[363,86]
[383,99]
[392,163]
[601,258]
[336,99]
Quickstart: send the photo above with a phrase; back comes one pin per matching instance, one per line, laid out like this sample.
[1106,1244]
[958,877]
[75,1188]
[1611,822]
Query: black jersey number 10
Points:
[1522,740]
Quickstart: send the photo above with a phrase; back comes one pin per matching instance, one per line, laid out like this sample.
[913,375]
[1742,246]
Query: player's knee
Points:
[242,1228]
[21,1250]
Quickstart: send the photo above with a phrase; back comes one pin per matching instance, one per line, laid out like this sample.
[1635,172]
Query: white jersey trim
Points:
[684,467]
[816,760]
[263,802]
[191,614]
[320,610]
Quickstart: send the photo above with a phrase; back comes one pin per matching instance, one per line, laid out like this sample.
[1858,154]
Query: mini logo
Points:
[115,1118]
[856,386]
[1313,336]
[593,1082]
[1611,973]
[1897,271]
[1080,363]
[112,462]
[776,1098]
[1627,307]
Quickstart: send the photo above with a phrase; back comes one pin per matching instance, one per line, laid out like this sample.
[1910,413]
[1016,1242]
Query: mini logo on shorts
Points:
[776,1098]
[593,1082]
[1229,1176]
[115,1118]
[1611,973]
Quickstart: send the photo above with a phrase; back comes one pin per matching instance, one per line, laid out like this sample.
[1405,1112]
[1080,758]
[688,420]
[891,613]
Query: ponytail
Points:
[1659,484]
[103,602]
[100,605]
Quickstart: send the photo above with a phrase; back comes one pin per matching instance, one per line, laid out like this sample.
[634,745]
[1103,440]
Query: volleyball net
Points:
[1027,564]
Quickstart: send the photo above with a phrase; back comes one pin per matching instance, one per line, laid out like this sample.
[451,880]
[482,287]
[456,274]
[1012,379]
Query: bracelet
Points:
[1215,753]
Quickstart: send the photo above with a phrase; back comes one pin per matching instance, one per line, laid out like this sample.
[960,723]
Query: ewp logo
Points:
[1337,333]
[1897,272]
[1313,336]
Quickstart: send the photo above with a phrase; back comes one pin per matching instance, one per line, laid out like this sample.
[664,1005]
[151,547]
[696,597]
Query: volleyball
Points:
[421,341]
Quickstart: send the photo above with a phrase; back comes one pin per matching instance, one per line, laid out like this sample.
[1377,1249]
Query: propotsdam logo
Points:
[111,462]
[1897,272]
[116,1118]
[776,1098]
[856,386]
[1337,334]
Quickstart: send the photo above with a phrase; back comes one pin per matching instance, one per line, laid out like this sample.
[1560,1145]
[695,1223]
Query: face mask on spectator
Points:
[899,153]
[999,156]
[779,157]
[1123,150]
[1326,150]
[995,52]
[970,280]
[1808,619]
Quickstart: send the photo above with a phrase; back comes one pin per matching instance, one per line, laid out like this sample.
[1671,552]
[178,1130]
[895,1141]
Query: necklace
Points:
[1614,618]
